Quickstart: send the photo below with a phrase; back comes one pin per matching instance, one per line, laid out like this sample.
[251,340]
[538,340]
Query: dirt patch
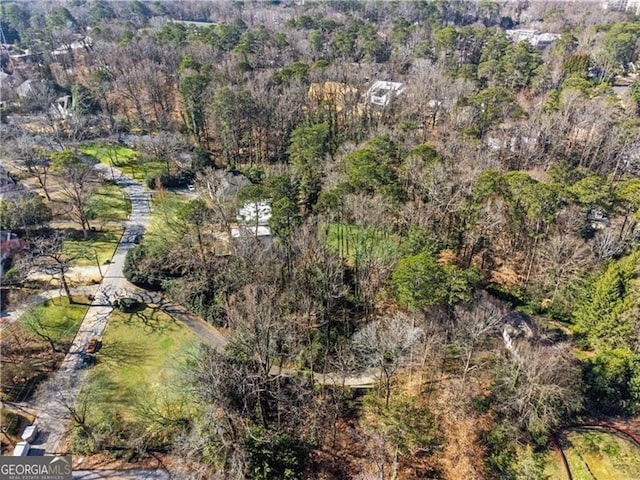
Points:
[29,355]
[105,462]
[26,362]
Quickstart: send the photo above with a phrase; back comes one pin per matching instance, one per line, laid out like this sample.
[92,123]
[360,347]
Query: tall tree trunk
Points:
[65,285]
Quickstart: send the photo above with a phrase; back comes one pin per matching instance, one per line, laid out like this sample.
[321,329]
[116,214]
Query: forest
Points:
[450,274]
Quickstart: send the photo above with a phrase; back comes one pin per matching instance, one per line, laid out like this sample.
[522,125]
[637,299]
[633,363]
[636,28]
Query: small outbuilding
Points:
[22,449]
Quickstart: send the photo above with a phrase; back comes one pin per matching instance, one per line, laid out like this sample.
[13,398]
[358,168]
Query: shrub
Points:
[11,422]
[165,180]
[281,456]
[140,271]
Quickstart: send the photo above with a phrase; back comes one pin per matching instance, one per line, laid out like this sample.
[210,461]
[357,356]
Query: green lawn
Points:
[137,363]
[163,227]
[599,455]
[126,159]
[27,354]
[553,469]
[350,241]
[109,203]
[99,244]
[58,318]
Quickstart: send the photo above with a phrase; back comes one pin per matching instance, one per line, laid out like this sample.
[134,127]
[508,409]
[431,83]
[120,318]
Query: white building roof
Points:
[532,36]
[29,434]
[247,231]
[21,450]
[255,213]
[382,92]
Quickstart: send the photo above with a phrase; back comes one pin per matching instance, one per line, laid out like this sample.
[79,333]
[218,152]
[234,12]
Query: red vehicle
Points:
[93,345]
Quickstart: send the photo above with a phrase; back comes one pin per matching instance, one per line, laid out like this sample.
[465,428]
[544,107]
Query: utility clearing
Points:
[594,454]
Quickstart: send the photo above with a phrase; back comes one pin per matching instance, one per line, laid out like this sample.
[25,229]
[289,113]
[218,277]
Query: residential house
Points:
[253,222]
[381,92]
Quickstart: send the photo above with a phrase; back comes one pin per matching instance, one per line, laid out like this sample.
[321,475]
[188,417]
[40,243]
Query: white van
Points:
[22,449]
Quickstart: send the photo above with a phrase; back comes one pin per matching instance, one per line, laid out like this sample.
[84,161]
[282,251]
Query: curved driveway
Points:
[60,391]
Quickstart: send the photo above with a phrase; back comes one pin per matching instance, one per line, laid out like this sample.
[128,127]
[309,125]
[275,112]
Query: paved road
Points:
[63,387]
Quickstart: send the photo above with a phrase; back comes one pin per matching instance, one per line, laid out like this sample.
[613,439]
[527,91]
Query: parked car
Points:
[93,346]
[87,360]
[132,238]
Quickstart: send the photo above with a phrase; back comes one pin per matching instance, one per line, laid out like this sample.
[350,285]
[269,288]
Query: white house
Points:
[536,39]
[253,221]
[255,213]
[243,231]
[381,92]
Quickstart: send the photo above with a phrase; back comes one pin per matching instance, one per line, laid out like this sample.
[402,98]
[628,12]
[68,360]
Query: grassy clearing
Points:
[109,203]
[599,455]
[100,245]
[553,467]
[161,231]
[351,242]
[27,357]
[126,159]
[59,318]
[136,363]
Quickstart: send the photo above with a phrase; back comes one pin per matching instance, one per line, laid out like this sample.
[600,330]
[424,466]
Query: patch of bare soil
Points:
[105,462]
[341,457]
[462,453]
[630,426]
[25,362]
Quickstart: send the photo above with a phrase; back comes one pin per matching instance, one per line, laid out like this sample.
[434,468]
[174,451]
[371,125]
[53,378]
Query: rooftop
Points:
[255,213]
[381,92]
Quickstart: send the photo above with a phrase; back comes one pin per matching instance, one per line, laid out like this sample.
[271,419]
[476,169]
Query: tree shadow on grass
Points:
[103,389]
[121,352]
[152,320]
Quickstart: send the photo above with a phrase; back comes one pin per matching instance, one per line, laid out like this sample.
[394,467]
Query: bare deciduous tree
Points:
[608,244]
[164,147]
[78,180]
[49,333]
[47,256]
[475,323]
[255,317]
[385,345]
[560,259]
[541,386]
